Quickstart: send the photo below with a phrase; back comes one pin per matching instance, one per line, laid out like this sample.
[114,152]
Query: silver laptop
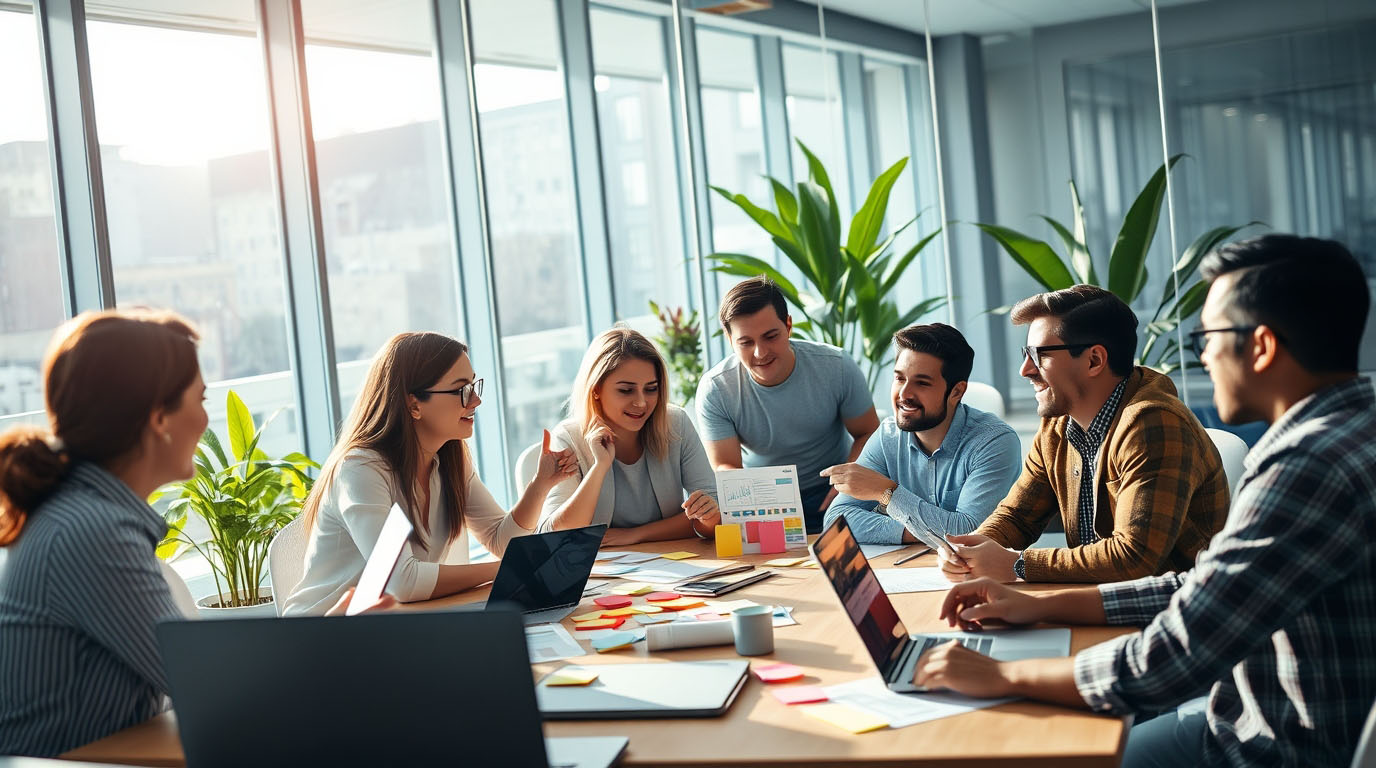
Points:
[544,574]
[894,651]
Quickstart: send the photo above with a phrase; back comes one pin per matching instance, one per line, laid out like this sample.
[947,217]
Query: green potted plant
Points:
[244,497]
[850,285]
[1127,264]
[678,340]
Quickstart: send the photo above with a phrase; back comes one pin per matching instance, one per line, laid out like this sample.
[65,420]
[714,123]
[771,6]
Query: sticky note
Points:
[845,718]
[660,619]
[647,608]
[635,588]
[728,540]
[678,555]
[731,605]
[799,694]
[613,641]
[600,624]
[613,601]
[772,537]
[786,562]
[571,676]
[657,597]
[588,616]
[752,531]
[778,673]
[627,611]
[681,604]
[709,617]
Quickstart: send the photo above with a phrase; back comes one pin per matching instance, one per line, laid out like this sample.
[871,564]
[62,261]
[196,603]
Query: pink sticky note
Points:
[778,673]
[799,694]
[752,532]
[772,537]
[613,601]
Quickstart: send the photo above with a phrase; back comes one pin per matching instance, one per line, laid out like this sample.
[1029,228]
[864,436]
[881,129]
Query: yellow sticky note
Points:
[812,564]
[728,540]
[588,616]
[628,611]
[680,604]
[633,589]
[647,608]
[571,676]
[786,562]
[679,555]
[845,718]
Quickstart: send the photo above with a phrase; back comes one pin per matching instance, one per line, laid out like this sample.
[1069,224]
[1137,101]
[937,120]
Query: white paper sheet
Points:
[898,580]
[635,558]
[661,571]
[551,642]
[396,529]
[613,569]
[875,550]
[903,709]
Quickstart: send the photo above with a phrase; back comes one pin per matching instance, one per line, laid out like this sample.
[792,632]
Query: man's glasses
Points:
[1200,338]
[465,392]
[1035,353]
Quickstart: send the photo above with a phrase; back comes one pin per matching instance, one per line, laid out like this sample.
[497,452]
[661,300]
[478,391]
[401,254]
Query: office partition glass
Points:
[812,82]
[31,303]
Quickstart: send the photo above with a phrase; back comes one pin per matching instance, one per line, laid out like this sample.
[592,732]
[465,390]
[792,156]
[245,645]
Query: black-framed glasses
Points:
[1035,353]
[465,393]
[1200,338]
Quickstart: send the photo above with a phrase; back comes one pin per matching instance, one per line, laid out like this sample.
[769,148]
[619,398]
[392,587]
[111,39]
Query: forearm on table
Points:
[1083,605]
[457,578]
[1051,680]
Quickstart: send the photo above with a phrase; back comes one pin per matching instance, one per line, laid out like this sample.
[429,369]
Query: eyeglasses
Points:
[1035,353]
[1200,338]
[465,392]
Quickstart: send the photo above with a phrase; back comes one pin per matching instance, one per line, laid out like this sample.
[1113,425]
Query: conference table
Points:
[760,730]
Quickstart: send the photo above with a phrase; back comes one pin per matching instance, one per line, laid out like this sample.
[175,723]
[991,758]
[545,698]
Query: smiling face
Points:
[919,394]
[761,342]
[442,417]
[628,395]
[1058,377]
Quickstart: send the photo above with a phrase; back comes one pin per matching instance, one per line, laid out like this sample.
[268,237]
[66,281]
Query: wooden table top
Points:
[758,729]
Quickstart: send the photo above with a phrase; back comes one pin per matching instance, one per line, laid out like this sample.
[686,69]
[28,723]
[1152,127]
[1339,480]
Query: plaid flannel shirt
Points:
[1277,621]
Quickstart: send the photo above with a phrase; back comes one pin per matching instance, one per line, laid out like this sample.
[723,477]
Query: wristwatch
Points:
[1020,568]
[886,497]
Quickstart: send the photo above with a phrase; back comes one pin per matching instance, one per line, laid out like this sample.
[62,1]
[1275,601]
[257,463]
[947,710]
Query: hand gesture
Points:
[974,603]
[857,482]
[554,465]
[702,508]
[953,666]
[980,556]
[601,441]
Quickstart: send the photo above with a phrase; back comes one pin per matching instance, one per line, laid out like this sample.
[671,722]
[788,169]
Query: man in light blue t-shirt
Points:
[937,465]
[781,401]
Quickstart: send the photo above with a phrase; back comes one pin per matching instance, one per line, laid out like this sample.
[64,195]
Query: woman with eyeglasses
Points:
[403,444]
[637,456]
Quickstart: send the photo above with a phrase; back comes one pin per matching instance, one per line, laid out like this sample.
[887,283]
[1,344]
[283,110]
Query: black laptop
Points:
[387,689]
[544,574]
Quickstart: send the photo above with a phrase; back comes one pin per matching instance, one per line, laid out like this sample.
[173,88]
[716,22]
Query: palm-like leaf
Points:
[1127,263]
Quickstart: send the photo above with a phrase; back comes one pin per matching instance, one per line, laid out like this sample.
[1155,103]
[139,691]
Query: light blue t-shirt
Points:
[801,421]
[950,491]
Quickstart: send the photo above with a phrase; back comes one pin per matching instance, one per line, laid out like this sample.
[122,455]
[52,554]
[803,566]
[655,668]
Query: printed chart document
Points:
[898,580]
[395,531]
[763,493]
[900,710]
[551,642]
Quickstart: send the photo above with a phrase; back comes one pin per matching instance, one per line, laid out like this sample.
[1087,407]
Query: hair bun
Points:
[31,466]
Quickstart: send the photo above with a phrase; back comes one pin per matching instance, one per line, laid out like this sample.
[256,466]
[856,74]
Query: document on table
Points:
[613,569]
[761,494]
[551,642]
[661,571]
[635,558]
[898,580]
[903,709]
[875,550]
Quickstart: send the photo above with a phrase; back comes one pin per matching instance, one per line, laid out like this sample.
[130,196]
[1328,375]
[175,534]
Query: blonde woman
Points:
[637,455]
[403,444]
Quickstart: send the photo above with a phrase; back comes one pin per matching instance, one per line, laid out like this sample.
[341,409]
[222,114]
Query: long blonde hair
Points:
[606,353]
[381,422]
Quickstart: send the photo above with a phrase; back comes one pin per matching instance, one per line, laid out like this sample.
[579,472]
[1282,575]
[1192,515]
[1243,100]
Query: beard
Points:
[1050,405]
[920,423]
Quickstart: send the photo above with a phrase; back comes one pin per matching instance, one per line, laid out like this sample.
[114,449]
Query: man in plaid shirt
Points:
[1276,622]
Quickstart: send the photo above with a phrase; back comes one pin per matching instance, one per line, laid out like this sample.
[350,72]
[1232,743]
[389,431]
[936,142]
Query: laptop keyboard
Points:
[923,643]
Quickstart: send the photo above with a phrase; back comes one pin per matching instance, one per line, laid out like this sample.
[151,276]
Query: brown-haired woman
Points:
[403,444]
[623,426]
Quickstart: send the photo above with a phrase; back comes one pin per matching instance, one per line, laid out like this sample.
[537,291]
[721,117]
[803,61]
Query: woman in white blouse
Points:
[403,444]
[636,455]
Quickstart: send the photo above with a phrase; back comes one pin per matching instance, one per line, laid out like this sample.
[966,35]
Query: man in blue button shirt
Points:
[936,465]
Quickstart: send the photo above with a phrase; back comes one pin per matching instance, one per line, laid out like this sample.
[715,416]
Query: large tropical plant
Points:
[1127,264]
[244,497]
[848,300]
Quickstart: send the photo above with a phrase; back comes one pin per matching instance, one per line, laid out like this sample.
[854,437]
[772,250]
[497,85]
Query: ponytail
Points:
[32,463]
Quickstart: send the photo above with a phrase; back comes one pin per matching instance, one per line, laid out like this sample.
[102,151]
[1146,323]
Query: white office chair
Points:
[181,594]
[526,464]
[984,397]
[287,561]
[1233,449]
[1365,756]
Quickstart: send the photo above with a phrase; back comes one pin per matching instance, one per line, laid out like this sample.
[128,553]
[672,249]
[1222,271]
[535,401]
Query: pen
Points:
[920,552]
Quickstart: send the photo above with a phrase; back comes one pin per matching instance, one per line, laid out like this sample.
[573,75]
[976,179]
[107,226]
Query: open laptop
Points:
[393,688]
[894,651]
[544,574]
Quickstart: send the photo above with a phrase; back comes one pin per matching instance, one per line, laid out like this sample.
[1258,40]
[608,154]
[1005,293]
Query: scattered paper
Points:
[899,710]
[646,608]
[783,616]
[571,676]
[614,569]
[584,626]
[845,718]
[786,562]
[613,641]
[613,555]
[897,580]
[799,694]
[656,618]
[875,550]
[633,558]
[551,642]
[730,605]
[661,571]
[633,588]
[629,610]
[637,633]
[588,616]
[678,555]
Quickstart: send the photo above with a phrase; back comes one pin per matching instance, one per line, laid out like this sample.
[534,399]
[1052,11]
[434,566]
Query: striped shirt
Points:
[1277,620]
[81,593]
[1086,442]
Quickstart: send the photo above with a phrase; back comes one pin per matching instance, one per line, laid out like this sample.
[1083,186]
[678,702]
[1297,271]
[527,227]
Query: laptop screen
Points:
[861,596]
[547,570]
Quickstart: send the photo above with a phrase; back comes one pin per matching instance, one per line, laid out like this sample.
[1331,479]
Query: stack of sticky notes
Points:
[678,555]
[845,717]
[570,675]
[778,673]
[613,641]
[681,604]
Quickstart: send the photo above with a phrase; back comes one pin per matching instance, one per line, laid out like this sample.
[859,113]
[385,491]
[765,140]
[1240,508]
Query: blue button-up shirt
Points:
[950,491]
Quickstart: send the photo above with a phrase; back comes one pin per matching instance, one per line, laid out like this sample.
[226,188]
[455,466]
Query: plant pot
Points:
[206,608]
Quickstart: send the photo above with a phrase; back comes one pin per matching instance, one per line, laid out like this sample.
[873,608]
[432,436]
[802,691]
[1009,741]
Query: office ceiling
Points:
[987,17]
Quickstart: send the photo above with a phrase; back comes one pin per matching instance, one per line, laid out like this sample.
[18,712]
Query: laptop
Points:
[893,650]
[544,574]
[392,688]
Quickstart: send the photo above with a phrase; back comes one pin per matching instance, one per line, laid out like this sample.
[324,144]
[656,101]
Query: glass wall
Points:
[812,81]
[30,279]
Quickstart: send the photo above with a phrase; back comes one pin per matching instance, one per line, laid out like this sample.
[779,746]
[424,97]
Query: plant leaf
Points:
[1078,216]
[817,173]
[819,241]
[765,219]
[901,266]
[1079,254]
[1194,254]
[785,202]
[1126,263]
[240,425]
[749,266]
[1033,255]
[869,220]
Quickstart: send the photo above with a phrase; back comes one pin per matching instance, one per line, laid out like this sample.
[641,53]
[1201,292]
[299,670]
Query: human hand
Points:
[974,603]
[619,537]
[341,608]
[602,441]
[857,482]
[984,557]
[701,507]
[953,568]
[957,668]
[554,465]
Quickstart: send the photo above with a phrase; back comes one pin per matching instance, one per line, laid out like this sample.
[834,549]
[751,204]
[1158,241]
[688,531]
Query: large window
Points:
[375,107]
[30,281]
[812,80]
[527,172]
[190,202]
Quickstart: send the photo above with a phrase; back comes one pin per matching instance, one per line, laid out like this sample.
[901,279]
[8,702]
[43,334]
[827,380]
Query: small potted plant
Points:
[678,339]
[244,497]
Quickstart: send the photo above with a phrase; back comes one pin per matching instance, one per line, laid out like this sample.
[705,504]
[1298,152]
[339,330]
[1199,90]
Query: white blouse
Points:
[349,521]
